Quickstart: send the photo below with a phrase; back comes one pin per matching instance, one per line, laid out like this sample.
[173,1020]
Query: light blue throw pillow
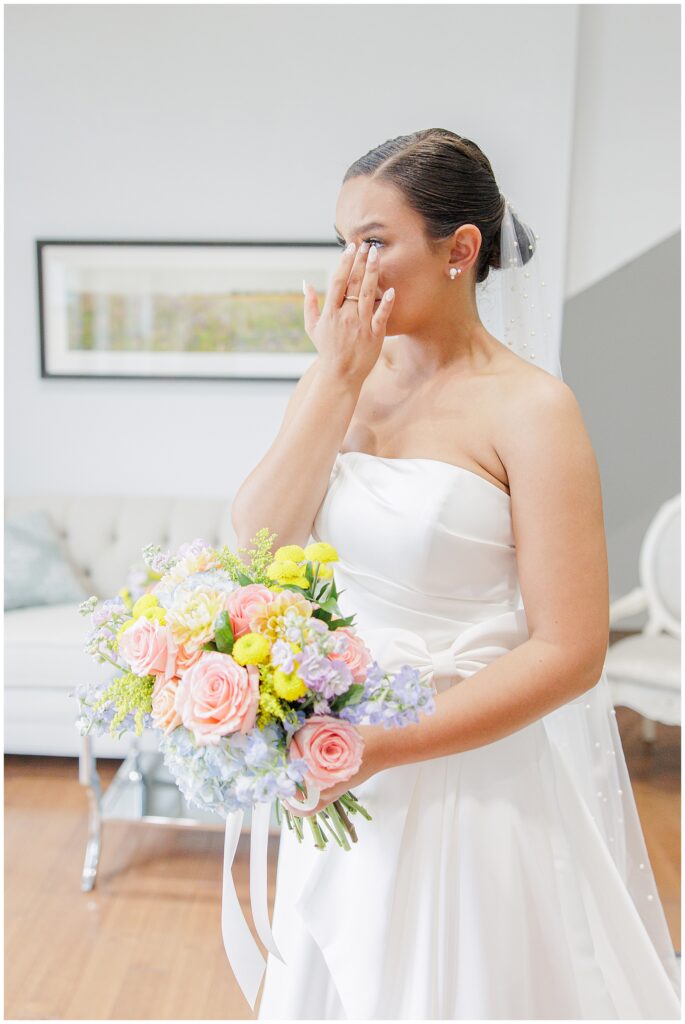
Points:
[36,571]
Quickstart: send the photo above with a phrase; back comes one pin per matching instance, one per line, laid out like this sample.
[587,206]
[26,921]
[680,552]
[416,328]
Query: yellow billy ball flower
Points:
[286,571]
[290,552]
[122,629]
[251,649]
[288,686]
[325,572]
[143,603]
[157,613]
[321,552]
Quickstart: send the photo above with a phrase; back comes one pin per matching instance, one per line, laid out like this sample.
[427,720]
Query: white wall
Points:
[237,121]
[625,186]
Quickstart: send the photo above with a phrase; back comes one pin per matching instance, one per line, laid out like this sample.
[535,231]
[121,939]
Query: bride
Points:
[504,873]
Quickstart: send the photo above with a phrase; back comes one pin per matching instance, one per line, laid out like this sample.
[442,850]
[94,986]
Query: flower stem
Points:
[324,818]
[102,653]
[353,805]
[297,821]
[319,837]
[348,824]
[338,824]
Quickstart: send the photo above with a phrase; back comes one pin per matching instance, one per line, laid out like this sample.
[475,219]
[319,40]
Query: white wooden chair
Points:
[644,670]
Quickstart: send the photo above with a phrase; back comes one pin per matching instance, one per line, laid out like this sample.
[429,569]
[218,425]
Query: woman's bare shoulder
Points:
[520,381]
[536,404]
[526,400]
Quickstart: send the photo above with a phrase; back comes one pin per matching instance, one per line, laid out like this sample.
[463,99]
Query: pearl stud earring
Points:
[454,271]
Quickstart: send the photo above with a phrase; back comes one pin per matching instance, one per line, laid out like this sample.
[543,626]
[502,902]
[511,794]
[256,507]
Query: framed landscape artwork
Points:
[189,310]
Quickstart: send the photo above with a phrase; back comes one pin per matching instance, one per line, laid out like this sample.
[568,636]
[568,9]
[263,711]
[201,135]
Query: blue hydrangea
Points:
[240,770]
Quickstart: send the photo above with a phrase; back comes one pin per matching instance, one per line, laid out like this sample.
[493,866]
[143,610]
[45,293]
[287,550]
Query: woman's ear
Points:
[466,245]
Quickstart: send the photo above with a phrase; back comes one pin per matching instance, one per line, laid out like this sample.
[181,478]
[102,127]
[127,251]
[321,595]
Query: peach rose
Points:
[180,657]
[216,696]
[331,747]
[242,604]
[164,713]
[357,657]
[186,658]
[145,646]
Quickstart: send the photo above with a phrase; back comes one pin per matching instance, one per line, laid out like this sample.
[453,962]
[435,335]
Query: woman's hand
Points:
[349,335]
[372,761]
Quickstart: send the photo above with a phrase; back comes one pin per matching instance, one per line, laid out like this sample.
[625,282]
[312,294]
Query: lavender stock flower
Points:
[328,676]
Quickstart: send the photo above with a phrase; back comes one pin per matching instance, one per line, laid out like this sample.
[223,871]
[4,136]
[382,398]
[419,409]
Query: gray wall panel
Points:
[621,357]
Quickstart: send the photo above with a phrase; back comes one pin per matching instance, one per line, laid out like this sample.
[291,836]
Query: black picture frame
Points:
[59,361]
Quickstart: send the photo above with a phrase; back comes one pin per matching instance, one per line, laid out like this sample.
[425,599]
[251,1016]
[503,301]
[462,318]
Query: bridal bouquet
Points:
[251,676]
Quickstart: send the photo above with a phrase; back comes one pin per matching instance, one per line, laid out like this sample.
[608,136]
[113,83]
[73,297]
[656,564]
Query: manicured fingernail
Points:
[350,247]
[373,255]
[390,294]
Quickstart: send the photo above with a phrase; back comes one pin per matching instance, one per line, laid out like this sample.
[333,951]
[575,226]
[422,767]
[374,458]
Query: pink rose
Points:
[216,696]
[243,604]
[357,657]
[331,747]
[179,657]
[186,658]
[164,713]
[145,646]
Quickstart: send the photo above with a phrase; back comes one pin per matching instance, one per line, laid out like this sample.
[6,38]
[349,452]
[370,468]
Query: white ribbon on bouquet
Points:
[244,955]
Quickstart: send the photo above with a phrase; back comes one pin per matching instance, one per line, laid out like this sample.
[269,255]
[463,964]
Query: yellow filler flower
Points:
[290,553]
[321,552]
[288,686]
[287,572]
[251,649]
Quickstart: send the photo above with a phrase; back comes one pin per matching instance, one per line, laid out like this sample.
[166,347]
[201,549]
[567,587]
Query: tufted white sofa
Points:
[44,656]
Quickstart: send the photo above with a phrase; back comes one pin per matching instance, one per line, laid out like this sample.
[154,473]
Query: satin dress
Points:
[482,888]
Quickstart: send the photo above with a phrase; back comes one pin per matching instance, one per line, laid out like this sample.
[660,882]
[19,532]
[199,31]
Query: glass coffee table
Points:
[142,790]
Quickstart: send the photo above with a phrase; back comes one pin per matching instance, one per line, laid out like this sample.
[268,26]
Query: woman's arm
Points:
[284,491]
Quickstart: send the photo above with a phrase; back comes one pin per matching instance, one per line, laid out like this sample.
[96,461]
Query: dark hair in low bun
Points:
[449,181]
[526,241]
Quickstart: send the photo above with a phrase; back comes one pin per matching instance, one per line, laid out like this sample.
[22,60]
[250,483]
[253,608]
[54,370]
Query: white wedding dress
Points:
[484,886]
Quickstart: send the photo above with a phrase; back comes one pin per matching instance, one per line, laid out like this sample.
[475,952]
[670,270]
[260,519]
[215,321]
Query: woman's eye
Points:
[372,241]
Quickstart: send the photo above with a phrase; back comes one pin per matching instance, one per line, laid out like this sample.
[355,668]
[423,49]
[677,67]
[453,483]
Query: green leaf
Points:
[223,633]
[294,586]
[351,696]
[323,589]
[339,623]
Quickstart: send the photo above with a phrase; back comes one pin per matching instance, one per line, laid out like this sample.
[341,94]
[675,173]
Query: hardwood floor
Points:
[146,942]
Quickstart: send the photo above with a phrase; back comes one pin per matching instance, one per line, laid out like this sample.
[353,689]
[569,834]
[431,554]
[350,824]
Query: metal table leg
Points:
[89,777]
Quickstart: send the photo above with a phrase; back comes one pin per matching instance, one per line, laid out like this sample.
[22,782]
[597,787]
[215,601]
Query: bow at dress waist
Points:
[475,646]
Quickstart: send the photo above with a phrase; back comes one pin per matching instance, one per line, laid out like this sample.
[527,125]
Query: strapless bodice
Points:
[424,546]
